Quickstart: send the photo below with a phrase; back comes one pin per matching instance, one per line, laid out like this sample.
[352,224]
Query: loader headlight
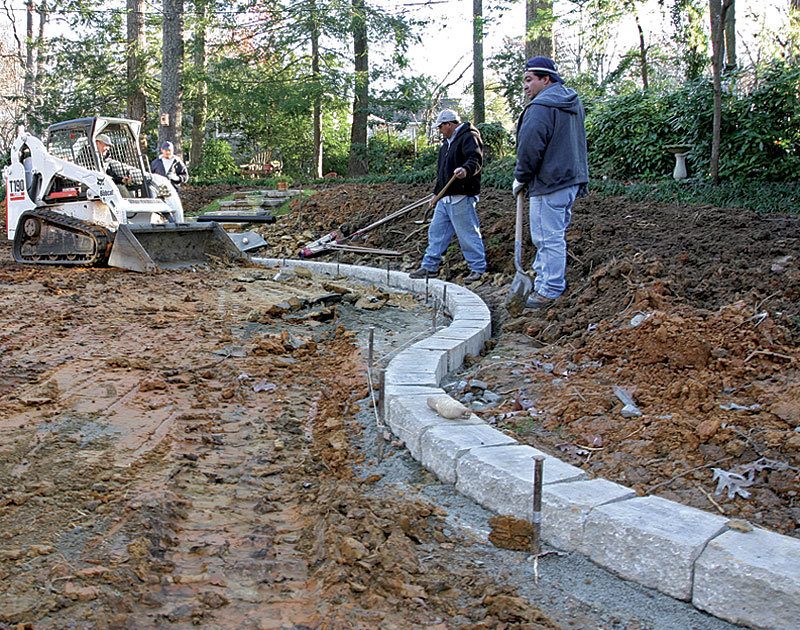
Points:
[164,191]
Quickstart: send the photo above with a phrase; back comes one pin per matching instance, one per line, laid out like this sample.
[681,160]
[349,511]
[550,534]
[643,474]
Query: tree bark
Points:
[730,38]
[315,75]
[539,28]
[642,54]
[478,88]
[41,58]
[137,100]
[29,85]
[200,105]
[717,10]
[171,75]
[357,163]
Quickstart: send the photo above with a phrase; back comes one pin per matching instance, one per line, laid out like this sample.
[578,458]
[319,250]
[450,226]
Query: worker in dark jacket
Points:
[551,164]
[170,166]
[460,157]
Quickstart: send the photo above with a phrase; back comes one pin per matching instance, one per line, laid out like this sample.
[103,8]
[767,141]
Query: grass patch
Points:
[214,206]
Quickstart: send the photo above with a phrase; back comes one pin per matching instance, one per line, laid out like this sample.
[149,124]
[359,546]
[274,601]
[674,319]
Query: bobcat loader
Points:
[68,204]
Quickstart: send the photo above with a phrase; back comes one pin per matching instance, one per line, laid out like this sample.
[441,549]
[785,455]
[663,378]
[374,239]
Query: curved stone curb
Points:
[750,578]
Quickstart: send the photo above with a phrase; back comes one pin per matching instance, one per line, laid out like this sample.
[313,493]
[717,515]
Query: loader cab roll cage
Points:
[74,141]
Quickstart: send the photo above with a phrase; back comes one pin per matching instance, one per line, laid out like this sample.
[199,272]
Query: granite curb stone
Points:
[751,578]
[651,540]
[442,445]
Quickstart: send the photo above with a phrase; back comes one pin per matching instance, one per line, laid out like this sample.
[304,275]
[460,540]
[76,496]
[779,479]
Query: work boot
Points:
[537,301]
[422,273]
[473,276]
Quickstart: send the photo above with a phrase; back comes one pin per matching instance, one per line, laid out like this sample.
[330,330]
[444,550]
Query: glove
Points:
[518,187]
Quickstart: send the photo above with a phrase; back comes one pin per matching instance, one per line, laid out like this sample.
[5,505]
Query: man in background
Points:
[170,166]
[552,166]
[460,159]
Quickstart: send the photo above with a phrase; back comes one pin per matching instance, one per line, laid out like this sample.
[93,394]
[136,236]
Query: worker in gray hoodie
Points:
[552,166]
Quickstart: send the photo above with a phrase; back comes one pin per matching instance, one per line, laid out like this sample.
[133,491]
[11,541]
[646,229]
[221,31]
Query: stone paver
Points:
[750,578]
[566,506]
[501,478]
[443,444]
[651,541]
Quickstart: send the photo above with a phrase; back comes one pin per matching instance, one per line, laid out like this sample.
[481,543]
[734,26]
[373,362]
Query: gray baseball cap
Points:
[104,139]
[446,115]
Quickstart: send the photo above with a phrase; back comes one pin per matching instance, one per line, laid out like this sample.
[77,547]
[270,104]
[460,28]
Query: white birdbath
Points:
[680,151]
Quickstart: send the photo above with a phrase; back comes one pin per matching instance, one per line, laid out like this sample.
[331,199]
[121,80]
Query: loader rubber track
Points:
[38,249]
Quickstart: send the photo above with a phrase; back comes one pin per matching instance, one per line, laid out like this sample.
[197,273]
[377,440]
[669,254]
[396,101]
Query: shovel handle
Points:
[518,225]
[436,199]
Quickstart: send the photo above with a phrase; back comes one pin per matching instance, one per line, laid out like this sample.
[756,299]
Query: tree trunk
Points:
[642,54]
[200,106]
[717,10]
[171,71]
[730,38]
[357,164]
[479,102]
[41,58]
[315,75]
[137,100]
[539,28]
[28,86]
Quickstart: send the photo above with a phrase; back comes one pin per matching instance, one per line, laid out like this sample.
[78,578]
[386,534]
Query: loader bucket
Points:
[146,247]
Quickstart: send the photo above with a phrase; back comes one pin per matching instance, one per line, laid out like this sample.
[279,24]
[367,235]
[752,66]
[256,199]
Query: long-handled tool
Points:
[521,285]
[326,243]
[434,201]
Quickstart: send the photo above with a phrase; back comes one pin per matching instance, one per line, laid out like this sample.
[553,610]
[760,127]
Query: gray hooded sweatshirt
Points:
[551,142]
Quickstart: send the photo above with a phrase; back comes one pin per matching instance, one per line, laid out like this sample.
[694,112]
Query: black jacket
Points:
[465,149]
[178,168]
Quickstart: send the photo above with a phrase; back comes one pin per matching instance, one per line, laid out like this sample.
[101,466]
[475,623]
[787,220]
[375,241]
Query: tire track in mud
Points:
[244,510]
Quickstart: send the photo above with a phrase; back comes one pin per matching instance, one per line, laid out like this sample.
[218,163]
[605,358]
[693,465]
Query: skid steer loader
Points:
[68,204]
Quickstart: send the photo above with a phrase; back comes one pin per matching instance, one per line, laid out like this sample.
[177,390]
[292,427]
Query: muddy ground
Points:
[186,449]
[692,311]
[180,450]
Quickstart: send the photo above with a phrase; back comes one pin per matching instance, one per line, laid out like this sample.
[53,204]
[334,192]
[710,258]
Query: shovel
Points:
[521,285]
[434,201]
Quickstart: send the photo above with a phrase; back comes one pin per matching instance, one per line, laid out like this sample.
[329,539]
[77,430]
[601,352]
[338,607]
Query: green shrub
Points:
[497,142]
[217,161]
[627,133]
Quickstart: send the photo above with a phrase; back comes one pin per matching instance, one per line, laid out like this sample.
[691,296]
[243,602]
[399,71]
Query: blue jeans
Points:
[460,219]
[550,216]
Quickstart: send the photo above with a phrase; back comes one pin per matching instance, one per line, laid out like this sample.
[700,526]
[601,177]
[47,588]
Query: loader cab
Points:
[74,141]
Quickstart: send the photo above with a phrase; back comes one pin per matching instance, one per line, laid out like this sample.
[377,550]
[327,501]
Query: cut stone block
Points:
[750,578]
[472,338]
[409,417]
[501,478]
[454,349]
[565,507]
[443,444]
[651,541]
[417,367]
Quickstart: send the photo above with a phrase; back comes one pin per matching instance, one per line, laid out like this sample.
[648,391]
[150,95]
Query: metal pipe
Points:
[371,349]
[381,424]
[536,516]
